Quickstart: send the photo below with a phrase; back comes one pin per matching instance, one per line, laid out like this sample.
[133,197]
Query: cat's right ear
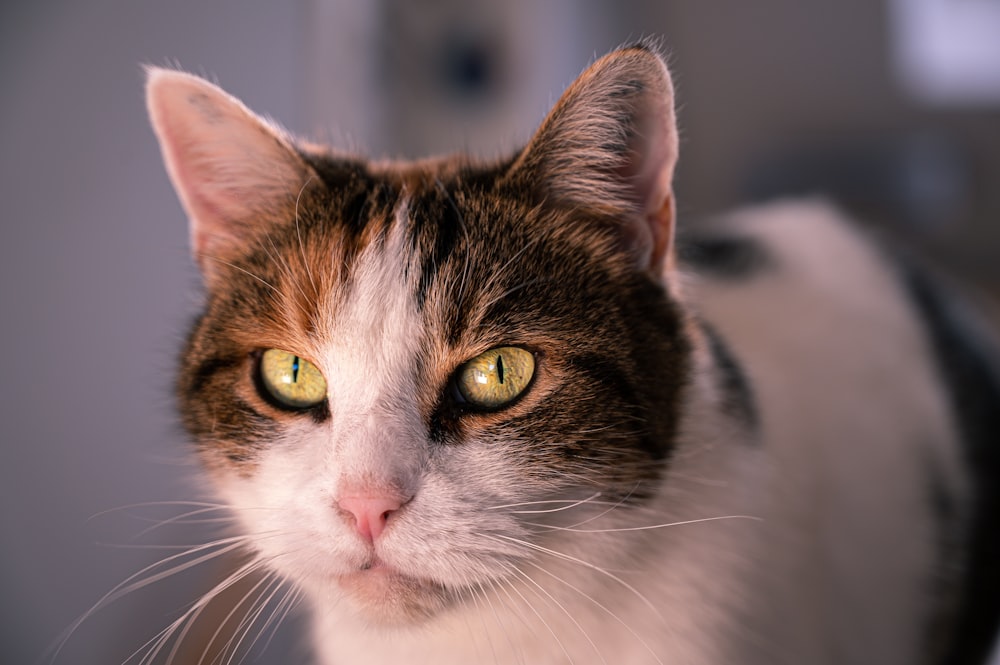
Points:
[610,145]
[233,171]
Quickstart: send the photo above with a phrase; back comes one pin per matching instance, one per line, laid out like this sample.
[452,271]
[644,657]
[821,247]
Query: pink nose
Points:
[370,512]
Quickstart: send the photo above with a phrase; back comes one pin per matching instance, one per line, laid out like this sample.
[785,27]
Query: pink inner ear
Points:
[649,172]
[654,157]
[210,195]
[228,166]
[210,231]
[662,224]
[578,152]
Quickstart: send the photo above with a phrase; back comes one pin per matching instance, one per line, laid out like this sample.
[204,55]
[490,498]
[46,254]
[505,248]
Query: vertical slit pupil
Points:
[295,369]
[500,368]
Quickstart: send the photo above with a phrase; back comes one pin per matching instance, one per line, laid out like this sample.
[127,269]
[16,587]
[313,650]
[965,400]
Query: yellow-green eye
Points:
[494,378]
[292,380]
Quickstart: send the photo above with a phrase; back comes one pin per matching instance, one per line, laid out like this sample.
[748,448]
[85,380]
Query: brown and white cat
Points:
[498,413]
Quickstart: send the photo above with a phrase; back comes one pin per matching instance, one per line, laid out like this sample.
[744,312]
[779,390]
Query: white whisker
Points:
[158,504]
[244,271]
[552,598]
[137,581]
[485,306]
[292,598]
[154,646]
[475,593]
[585,564]
[271,584]
[571,504]
[298,233]
[182,518]
[611,507]
[603,607]
[514,650]
[539,616]
[648,527]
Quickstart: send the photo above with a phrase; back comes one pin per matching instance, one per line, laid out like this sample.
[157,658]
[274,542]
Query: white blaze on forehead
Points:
[371,362]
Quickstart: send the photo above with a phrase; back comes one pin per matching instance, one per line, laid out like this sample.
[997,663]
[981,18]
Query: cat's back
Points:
[878,410]
[800,293]
[807,301]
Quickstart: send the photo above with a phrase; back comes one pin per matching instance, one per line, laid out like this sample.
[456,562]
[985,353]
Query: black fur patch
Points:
[208,368]
[724,256]
[436,224]
[967,368]
[738,397]
[944,587]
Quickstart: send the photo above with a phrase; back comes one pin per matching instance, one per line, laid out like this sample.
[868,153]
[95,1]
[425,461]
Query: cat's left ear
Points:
[234,172]
[610,144]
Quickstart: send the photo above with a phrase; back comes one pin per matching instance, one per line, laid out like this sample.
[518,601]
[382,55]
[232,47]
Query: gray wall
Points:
[95,290]
[96,285]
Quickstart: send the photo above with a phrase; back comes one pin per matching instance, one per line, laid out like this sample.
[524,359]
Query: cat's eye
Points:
[291,380]
[495,378]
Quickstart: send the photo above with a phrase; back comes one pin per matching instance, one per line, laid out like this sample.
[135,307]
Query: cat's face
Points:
[407,377]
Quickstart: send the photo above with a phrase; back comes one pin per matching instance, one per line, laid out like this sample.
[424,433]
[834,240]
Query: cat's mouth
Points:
[383,593]
[371,569]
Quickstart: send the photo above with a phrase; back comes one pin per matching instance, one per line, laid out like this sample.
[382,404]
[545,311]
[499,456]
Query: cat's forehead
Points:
[374,326]
[472,258]
[420,217]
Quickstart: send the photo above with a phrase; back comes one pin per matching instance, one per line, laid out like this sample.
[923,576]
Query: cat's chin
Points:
[383,595]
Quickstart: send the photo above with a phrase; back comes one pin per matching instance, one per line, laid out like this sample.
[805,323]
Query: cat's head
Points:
[409,377]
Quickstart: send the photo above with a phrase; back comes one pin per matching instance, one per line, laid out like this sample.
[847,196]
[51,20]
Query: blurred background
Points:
[891,107]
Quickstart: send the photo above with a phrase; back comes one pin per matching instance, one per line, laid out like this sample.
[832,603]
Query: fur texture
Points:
[728,451]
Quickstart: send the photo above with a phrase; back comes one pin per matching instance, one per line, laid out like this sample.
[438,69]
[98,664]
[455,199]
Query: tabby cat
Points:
[500,412]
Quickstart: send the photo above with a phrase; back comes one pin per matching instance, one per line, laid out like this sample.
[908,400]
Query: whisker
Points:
[514,257]
[260,603]
[485,306]
[257,606]
[600,605]
[298,233]
[224,622]
[292,598]
[576,623]
[136,581]
[182,518]
[286,268]
[652,526]
[155,547]
[586,564]
[611,507]
[154,646]
[475,592]
[244,271]
[503,626]
[572,503]
[238,542]
[157,504]
[188,619]
[539,616]
[467,596]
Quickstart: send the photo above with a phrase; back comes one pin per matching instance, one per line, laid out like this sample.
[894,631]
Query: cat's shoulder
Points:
[807,297]
[794,273]
[802,238]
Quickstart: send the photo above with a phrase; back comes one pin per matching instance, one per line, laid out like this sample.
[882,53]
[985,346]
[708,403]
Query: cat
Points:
[506,412]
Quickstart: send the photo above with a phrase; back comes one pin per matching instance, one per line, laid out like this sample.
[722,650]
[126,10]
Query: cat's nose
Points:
[370,511]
